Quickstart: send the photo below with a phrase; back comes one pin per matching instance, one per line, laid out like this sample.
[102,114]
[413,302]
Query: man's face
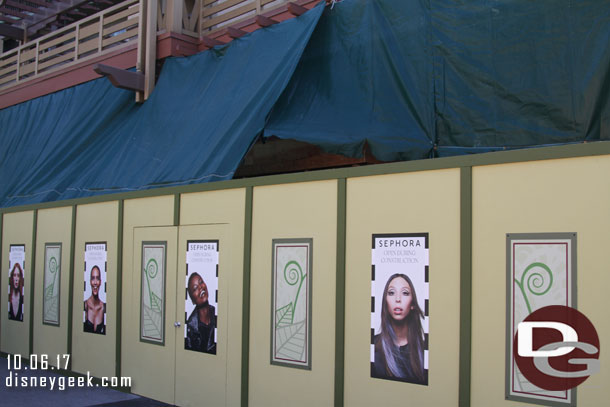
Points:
[198,291]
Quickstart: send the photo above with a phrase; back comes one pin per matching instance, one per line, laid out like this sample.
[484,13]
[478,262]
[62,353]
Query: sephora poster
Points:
[399,307]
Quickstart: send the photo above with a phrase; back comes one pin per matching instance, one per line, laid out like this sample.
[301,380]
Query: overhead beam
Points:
[8,20]
[49,14]
[121,78]
[11,12]
[22,6]
[41,3]
[11,32]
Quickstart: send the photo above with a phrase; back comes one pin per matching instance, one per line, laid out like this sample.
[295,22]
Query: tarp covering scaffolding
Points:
[196,127]
[413,79]
[430,78]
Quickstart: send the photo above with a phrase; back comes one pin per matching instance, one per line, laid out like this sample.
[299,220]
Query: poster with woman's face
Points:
[399,307]
[201,301]
[16,282]
[94,312]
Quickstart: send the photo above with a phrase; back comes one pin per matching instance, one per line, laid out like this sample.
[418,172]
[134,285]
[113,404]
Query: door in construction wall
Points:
[203,299]
[180,302]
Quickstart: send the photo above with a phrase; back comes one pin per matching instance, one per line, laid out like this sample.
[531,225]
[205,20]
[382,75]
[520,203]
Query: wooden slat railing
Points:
[117,27]
[218,14]
[114,27]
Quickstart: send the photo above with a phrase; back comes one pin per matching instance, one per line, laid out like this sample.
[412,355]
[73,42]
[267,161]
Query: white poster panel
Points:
[201,300]
[540,272]
[152,305]
[52,283]
[94,288]
[400,307]
[291,305]
[16,283]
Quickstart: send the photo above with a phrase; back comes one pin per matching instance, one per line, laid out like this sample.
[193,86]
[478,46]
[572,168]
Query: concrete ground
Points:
[17,396]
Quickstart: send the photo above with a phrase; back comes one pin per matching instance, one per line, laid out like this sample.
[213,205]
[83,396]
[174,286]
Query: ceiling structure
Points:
[24,20]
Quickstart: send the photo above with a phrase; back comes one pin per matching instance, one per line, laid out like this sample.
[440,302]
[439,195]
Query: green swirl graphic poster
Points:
[541,271]
[152,307]
[52,283]
[291,305]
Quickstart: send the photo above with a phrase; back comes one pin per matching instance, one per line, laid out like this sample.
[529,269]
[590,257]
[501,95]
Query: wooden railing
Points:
[188,16]
[114,27]
[117,27]
[217,14]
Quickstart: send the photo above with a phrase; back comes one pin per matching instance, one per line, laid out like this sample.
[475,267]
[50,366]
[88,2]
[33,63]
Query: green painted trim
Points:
[176,209]
[340,294]
[245,323]
[119,300]
[500,157]
[465,285]
[33,280]
[71,282]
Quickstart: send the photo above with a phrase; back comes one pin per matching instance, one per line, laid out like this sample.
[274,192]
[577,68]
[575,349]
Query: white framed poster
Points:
[94,288]
[16,282]
[291,302]
[201,299]
[152,298]
[52,284]
[400,307]
[541,271]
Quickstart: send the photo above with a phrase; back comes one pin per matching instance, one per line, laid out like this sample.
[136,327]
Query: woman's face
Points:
[399,299]
[198,291]
[96,281]
[15,279]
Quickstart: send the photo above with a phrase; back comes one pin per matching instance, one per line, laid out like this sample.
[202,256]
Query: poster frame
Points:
[146,244]
[58,279]
[309,279]
[426,301]
[105,243]
[572,279]
[216,294]
[10,249]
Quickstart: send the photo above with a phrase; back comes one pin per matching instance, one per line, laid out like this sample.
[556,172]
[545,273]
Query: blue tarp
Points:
[198,124]
[428,78]
[413,79]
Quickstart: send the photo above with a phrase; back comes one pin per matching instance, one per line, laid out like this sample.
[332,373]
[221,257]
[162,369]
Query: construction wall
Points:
[463,208]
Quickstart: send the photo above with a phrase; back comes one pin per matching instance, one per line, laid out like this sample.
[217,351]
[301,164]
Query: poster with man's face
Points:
[94,312]
[16,283]
[201,300]
[399,307]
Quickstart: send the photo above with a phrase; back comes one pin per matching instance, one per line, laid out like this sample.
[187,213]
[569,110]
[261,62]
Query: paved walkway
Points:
[18,396]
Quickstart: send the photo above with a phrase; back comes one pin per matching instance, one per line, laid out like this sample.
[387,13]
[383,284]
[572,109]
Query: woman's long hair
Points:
[17,268]
[415,335]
